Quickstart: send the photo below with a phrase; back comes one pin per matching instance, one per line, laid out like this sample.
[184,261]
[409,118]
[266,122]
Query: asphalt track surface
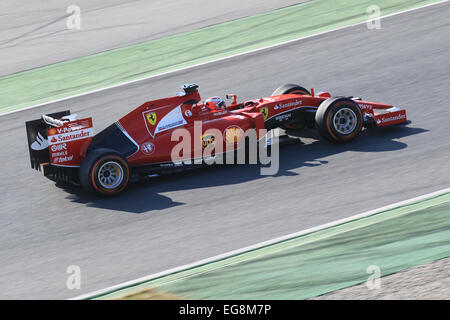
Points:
[171,221]
[34,33]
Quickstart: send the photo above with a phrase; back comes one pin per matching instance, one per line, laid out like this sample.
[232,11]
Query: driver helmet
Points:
[215,103]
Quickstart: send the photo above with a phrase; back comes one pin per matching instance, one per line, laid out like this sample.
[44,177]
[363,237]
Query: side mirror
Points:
[232,96]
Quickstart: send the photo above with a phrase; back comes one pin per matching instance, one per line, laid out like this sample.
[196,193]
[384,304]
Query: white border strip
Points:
[219,59]
[258,245]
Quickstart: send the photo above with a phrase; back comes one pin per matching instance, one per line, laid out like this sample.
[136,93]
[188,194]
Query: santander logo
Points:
[71,136]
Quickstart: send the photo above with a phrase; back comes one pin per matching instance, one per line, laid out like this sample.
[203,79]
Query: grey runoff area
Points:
[35,33]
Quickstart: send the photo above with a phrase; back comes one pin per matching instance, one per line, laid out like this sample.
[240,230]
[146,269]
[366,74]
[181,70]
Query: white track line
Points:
[260,245]
[219,59]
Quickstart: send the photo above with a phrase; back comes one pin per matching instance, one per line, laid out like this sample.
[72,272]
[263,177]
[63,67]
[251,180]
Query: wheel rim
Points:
[345,121]
[110,175]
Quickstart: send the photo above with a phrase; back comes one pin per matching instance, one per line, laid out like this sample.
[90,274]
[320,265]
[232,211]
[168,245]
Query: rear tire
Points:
[291,89]
[339,119]
[104,171]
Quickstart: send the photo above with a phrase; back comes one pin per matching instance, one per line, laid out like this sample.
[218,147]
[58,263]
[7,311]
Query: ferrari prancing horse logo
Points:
[151,118]
[265,112]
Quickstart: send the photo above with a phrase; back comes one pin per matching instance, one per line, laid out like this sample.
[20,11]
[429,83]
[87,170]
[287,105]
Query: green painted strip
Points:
[158,56]
[320,262]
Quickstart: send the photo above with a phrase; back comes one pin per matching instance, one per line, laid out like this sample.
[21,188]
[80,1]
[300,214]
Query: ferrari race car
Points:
[141,143]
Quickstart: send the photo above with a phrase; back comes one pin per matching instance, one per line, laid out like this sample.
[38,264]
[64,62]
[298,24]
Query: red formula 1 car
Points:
[140,144]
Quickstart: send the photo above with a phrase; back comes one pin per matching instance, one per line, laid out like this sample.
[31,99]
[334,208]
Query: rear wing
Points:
[37,139]
[58,139]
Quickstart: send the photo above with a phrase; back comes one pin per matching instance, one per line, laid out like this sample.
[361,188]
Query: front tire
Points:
[104,171]
[339,119]
[292,89]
